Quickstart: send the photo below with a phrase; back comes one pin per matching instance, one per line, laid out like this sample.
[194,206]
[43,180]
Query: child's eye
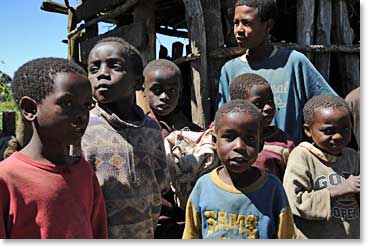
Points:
[116,65]
[156,91]
[172,91]
[66,104]
[245,22]
[251,139]
[328,131]
[258,105]
[93,69]
[228,138]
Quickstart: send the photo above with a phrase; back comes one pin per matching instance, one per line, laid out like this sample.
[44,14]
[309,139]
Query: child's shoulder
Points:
[350,152]
[233,62]
[278,137]
[151,123]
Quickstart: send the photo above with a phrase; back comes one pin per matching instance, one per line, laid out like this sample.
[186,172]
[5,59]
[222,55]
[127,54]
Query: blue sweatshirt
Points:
[293,80]
[216,210]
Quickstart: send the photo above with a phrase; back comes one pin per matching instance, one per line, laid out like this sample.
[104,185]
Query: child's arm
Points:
[350,185]
[304,200]
[192,222]
[286,228]
[161,168]
[99,214]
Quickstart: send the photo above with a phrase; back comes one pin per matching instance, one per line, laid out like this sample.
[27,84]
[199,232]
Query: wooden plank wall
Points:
[326,22]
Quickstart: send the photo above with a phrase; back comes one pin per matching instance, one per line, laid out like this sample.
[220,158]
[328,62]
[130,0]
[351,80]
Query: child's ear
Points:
[270,25]
[139,83]
[28,108]
[307,130]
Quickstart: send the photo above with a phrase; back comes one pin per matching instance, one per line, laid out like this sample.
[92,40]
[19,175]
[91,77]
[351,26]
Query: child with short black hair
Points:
[237,200]
[292,76]
[322,178]
[277,144]
[162,88]
[45,192]
[124,146]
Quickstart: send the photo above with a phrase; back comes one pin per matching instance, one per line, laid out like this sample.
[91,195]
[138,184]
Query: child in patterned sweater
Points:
[124,146]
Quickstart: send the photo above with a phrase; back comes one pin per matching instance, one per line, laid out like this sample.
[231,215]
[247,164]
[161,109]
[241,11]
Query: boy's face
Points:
[331,129]
[249,30]
[63,115]
[110,73]
[162,89]
[238,140]
[262,97]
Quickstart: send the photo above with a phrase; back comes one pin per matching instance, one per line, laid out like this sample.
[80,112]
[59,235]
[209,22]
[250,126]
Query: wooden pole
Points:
[215,40]
[305,23]
[144,12]
[200,105]
[342,33]
[323,30]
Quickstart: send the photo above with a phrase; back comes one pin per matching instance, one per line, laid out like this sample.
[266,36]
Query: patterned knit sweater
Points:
[130,164]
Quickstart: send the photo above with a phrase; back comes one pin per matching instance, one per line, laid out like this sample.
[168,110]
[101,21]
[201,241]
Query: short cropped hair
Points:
[132,53]
[240,86]
[162,64]
[36,78]
[322,101]
[237,106]
[267,9]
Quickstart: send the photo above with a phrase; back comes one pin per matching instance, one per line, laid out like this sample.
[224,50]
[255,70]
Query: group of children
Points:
[97,166]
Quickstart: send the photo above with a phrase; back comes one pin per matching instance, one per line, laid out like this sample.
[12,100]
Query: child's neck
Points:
[46,152]
[239,180]
[268,131]
[260,52]
[125,109]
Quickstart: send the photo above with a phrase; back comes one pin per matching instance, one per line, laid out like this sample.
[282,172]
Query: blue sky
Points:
[27,32]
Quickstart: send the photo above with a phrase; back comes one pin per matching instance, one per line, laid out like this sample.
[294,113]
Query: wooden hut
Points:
[327,31]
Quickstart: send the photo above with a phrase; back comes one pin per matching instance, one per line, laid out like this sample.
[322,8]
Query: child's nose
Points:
[267,108]
[164,96]
[103,71]
[338,136]
[239,144]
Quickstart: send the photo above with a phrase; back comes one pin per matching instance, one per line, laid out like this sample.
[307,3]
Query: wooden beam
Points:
[323,30]
[172,32]
[306,23]
[144,12]
[89,9]
[108,17]
[51,6]
[187,58]
[214,40]
[200,91]
[229,52]
[133,33]
[348,65]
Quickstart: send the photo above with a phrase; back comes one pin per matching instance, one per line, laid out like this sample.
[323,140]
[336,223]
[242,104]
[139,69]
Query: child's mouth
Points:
[102,87]
[238,160]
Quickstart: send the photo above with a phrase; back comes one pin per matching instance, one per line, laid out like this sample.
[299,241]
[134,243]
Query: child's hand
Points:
[353,183]
[350,185]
